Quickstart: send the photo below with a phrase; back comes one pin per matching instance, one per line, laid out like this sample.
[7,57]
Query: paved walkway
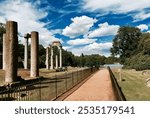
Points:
[96,88]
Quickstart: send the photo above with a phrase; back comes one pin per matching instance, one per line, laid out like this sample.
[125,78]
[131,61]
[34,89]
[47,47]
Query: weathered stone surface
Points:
[11,49]
[4,51]
[60,58]
[47,58]
[34,68]
[52,64]
[26,53]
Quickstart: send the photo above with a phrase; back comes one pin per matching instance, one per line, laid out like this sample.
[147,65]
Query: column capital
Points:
[27,36]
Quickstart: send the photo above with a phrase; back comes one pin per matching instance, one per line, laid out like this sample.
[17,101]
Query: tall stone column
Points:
[26,53]
[56,61]
[4,51]
[11,49]
[52,64]
[27,36]
[47,58]
[60,58]
[34,68]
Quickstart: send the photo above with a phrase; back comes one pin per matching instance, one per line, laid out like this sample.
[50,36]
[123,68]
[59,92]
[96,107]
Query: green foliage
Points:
[93,60]
[138,62]
[144,44]
[125,42]
[68,59]
[21,51]
[133,48]
[2,30]
[111,60]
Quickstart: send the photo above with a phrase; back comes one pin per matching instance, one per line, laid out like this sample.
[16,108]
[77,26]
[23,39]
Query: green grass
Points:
[134,85]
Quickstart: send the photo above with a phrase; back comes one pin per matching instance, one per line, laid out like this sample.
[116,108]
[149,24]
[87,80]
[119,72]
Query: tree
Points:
[144,44]
[2,30]
[126,42]
[82,60]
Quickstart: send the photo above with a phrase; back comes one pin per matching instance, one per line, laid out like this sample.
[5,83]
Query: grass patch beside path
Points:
[134,85]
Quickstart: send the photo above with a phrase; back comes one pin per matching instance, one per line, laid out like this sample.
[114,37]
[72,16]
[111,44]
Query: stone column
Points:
[11,49]
[47,58]
[26,54]
[60,58]
[34,68]
[52,65]
[56,61]
[4,51]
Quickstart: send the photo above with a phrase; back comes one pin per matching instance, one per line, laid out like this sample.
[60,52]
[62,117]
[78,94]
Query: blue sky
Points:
[82,26]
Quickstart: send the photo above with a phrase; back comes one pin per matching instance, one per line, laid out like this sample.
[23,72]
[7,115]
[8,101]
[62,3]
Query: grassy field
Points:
[134,85]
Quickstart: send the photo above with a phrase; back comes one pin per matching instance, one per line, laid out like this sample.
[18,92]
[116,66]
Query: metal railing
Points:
[117,89]
[43,89]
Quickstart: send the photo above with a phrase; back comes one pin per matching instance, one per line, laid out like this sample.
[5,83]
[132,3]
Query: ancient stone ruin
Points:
[51,63]
[10,51]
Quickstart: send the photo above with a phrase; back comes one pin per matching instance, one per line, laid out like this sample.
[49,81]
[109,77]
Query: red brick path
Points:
[97,88]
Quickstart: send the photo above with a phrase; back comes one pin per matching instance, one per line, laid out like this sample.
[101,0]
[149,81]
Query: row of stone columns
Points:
[10,52]
[51,58]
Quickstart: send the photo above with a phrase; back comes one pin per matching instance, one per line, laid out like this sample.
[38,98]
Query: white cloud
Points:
[143,27]
[94,48]
[119,6]
[56,31]
[141,16]
[104,30]
[79,26]
[67,47]
[27,15]
[81,41]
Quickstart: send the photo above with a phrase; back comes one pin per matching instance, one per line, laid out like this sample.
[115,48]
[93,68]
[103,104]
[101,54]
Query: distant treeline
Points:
[69,59]
[133,48]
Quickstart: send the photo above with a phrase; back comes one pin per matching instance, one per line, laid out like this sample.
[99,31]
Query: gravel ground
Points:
[97,88]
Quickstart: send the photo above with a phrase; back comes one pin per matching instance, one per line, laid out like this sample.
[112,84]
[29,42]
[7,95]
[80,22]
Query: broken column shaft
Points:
[11,49]
[4,51]
[52,65]
[60,58]
[47,58]
[34,68]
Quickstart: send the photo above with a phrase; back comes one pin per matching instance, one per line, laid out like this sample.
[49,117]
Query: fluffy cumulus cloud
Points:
[81,41]
[79,26]
[143,27]
[94,48]
[104,30]
[119,6]
[28,17]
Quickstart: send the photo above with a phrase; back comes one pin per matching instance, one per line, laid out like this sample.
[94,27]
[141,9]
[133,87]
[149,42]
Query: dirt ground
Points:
[25,73]
[97,88]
